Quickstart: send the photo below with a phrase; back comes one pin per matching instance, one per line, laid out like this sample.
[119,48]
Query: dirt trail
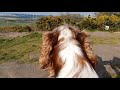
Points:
[12,34]
[19,70]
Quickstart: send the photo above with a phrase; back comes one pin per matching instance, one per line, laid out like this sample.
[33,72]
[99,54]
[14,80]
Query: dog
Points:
[66,53]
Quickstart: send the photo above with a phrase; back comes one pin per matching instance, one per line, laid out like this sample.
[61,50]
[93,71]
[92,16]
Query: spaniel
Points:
[66,53]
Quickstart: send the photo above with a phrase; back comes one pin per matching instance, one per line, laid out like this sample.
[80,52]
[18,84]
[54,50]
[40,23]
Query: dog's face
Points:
[68,33]
[65,33]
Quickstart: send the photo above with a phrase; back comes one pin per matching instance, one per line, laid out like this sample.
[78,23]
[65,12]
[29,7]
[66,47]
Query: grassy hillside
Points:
[23,49]
[16,25]
[14,22]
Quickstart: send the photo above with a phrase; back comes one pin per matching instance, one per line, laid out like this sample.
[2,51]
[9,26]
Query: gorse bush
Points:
[89,23]
[50,22]
[99,22]
[15,28]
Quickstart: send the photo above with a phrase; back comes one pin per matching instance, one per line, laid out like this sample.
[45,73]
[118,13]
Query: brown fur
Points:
[57,62]
[85,43]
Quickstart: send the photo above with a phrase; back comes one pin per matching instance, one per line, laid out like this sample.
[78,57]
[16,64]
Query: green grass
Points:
[115,29]
[14,22]
[20,48]
[92,30]
[103,40]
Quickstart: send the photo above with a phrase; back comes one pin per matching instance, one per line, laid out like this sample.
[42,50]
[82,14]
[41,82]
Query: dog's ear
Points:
[83,39]
[81,36]
[48,43]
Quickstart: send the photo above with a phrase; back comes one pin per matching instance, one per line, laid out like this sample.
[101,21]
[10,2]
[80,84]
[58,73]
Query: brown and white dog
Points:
[66,53]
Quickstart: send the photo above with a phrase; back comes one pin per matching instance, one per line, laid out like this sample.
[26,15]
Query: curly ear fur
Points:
[82,38]
[49,41]
[45,50]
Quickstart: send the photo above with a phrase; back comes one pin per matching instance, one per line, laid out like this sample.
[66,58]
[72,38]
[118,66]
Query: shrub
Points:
[15,29]
[50,22]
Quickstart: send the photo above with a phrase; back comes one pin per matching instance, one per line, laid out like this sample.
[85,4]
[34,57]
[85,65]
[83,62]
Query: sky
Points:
[52,13]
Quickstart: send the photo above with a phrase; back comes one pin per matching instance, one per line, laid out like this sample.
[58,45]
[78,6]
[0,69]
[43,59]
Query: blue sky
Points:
[52,13]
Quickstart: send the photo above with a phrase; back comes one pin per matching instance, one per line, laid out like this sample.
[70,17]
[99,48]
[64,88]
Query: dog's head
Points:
[64,33]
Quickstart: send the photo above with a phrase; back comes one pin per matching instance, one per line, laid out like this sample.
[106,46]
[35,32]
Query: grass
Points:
[115,29]
[13,23]
[92,30]
[20,48]
[103,40]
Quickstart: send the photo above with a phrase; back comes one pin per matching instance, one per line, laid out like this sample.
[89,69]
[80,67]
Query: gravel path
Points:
[17,70]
